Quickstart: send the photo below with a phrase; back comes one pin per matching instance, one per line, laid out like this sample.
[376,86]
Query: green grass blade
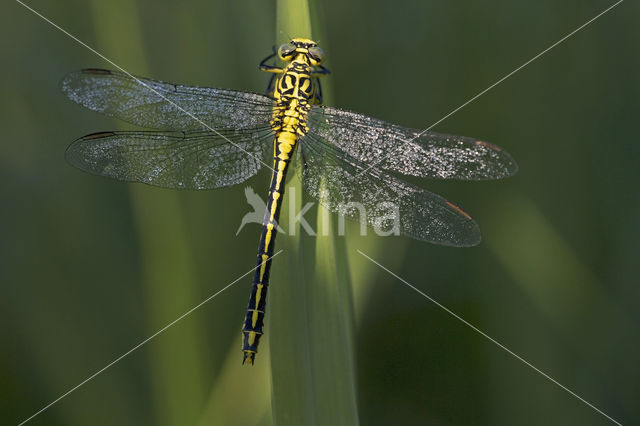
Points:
[292,19]
[167,270]
[311,308]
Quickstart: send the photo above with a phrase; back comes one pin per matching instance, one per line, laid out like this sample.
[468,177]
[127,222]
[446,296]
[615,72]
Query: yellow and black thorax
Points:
[296,89]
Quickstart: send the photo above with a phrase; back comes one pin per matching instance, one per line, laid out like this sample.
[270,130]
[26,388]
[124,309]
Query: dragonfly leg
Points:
[316,99]
[319,71]
[271,87]
[270,68]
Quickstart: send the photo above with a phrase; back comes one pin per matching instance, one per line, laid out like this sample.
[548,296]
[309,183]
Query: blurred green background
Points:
[90,267]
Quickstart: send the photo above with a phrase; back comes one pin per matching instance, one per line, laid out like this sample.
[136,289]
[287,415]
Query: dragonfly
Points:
[207,138]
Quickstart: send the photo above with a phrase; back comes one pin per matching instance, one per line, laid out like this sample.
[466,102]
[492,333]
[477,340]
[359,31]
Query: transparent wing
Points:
[344,185]
[158,105]
[186,160]
[391,147]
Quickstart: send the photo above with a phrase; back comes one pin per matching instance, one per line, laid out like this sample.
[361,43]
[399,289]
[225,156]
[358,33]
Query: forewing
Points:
[185,160]
[165,106]
[395,148]
[344,186]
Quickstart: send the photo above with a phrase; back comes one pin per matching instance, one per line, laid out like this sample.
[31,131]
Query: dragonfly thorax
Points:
[295,84]
[293,90]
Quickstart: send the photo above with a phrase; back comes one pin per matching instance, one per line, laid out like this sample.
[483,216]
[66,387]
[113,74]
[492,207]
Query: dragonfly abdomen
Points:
[254,320]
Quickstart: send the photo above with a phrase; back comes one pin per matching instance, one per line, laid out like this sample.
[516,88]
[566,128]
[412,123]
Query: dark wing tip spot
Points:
[98,71]
[458,209]
[98,135]
[489,146]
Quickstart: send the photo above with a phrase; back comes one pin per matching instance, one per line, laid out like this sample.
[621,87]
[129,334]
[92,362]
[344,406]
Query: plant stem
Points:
[311,321]
[167,270]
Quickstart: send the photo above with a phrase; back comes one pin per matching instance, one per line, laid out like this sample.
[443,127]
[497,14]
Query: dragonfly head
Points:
[301,49]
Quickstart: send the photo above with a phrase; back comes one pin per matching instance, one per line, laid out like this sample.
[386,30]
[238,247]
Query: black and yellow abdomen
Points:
[254,320]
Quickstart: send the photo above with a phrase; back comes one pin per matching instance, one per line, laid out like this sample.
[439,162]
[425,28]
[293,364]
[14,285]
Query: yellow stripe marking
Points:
[259,288]
[254,319]
[274,206]
[263,266]
[267,237]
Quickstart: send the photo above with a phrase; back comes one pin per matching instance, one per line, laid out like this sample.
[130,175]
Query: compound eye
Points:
[286,51]
[316,54]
